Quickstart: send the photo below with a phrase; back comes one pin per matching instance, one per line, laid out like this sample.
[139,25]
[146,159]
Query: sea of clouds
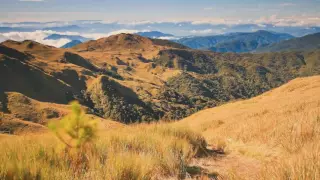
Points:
[38,31]
[40,35]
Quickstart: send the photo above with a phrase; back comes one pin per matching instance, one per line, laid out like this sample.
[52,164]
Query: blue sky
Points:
[214,11]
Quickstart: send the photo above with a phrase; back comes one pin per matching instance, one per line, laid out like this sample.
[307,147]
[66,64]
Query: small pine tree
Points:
[76,129]
[77,133]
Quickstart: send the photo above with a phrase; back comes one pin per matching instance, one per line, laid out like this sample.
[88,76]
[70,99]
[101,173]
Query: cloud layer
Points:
[40,36]
[35,36]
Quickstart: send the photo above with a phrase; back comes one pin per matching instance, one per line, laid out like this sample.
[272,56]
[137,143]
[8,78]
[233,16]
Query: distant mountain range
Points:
[235,42]
[72,28]
[71,37]
[178,28]
[71,44]
[306,43]
[154,34]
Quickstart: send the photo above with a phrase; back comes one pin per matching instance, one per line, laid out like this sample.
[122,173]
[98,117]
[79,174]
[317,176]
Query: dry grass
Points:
[138,152]
[280,129]
[273,136]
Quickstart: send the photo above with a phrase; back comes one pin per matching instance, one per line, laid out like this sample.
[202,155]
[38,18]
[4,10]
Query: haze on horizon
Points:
[294,12]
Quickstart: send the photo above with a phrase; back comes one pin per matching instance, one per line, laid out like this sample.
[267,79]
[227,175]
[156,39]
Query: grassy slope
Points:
[272,136]
[278,130]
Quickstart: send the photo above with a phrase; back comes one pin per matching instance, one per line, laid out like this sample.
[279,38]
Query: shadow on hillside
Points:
[3,102]
[14,53]
[16,76]
[79,61]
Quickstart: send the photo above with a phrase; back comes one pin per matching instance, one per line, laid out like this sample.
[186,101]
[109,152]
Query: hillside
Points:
[235,42]
[23,115]
[305,43]
[130,78]
[272,136]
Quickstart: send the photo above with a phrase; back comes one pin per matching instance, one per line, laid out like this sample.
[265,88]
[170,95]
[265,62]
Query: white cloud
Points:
[208,31]
[35,36]
[3,38]
[290,21]
[262,25]
[168,38]
[205,31]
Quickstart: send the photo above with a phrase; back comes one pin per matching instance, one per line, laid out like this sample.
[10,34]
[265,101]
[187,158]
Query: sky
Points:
[214,11]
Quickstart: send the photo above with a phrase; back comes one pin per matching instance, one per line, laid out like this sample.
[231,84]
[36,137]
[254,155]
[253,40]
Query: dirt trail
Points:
[220,165]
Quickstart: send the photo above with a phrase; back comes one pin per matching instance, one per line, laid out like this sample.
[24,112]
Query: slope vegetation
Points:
[305,43]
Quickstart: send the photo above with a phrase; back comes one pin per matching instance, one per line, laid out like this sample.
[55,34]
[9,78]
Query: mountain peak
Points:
[128,38]
[116,42]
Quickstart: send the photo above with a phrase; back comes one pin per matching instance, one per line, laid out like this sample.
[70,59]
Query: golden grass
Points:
[137,152]
[280,129]
[273,136]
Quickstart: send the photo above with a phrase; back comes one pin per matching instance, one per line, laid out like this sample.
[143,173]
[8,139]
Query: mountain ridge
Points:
[154,34]
[71,37]
[235,42]
[308,42]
